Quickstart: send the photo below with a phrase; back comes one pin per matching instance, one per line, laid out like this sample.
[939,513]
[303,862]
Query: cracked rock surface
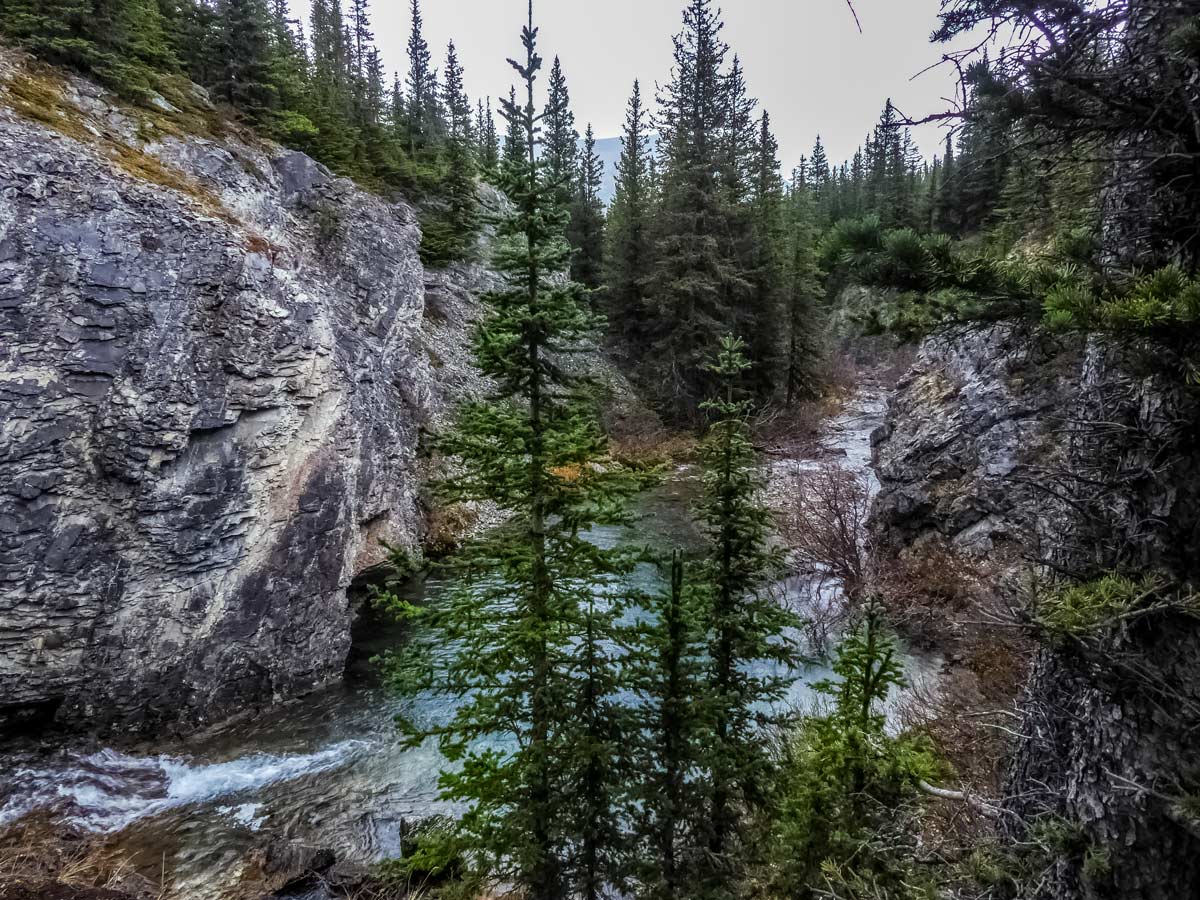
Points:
[1082,453]
[211,399]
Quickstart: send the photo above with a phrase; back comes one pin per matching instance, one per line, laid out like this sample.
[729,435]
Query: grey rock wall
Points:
[1079,455]
[211,399]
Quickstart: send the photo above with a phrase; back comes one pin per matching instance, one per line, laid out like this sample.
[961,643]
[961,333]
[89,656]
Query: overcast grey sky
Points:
[804,59]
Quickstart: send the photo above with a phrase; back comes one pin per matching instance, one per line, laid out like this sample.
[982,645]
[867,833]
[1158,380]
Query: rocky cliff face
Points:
[213,378]
[1082,455]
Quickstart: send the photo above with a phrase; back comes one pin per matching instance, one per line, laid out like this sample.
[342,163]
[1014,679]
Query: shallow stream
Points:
[326,770]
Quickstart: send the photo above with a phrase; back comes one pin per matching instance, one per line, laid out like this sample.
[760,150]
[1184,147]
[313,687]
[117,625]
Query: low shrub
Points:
[935,281]
[1081,610]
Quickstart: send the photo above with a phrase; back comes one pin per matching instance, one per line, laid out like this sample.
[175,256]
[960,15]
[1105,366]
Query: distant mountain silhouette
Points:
[609,150]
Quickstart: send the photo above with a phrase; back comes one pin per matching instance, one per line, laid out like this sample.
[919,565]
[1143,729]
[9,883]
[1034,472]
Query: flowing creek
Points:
[326,770]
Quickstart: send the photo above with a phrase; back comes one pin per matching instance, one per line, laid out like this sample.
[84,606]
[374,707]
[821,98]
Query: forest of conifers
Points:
[704,193]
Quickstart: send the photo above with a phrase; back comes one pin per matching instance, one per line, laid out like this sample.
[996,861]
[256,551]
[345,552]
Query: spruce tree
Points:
[818,174]
[762,319]
[514,142]
[449,234]
[854,205]
[586,230]
[288,72]
[337,136]
[697,283]
[504,642]
[750,653]
[627,261]
[374,93]
[738,163]
[139,34]
[802,290]
[397,110]
[362,43]
[598,729]
[947,198]
[487,140]
[58,31]
[843,776]
[561,144]
[122,43]
[748,238]
[191,29]
[983,160]
[669,677]
[422,83]
[246,77]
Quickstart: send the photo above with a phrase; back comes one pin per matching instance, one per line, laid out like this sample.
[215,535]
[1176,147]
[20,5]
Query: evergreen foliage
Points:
[843,777]
[326,94]
[123,42]
[586,231]
[764,262]
[669,676]
[750,653]
[627,260]
[561,143]
[1080,80]
[802,292]
[422,88]
[449,232]
[514,142]
[245,49]
[524,638]
[487,140]
[697,281]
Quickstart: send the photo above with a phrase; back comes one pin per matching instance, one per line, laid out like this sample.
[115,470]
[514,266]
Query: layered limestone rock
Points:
[1078,455]
[213,382]
[992,435]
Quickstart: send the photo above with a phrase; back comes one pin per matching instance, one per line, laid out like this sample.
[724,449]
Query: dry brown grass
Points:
[941,601]
[446,526]
[946,602]
[658,448]
[37,93]
[40,857]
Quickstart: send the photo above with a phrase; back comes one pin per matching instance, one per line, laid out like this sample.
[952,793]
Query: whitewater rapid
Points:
[107,791]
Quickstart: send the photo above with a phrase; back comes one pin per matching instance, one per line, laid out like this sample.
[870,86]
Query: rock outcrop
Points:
[213,382]
[1007,439]
[1080,455]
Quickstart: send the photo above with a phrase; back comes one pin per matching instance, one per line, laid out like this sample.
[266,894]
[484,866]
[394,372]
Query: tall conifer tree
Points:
[561,144]
[669,676]
[505,641]
[762,318]
[246,55]
[802,289]
[421,86]
[818,177]
[697,283]
[628,257]
[586,230]
[449,234]
[750,656]
[487,139]
[514,142]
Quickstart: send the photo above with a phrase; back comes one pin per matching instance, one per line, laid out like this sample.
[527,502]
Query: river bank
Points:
[253,806]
